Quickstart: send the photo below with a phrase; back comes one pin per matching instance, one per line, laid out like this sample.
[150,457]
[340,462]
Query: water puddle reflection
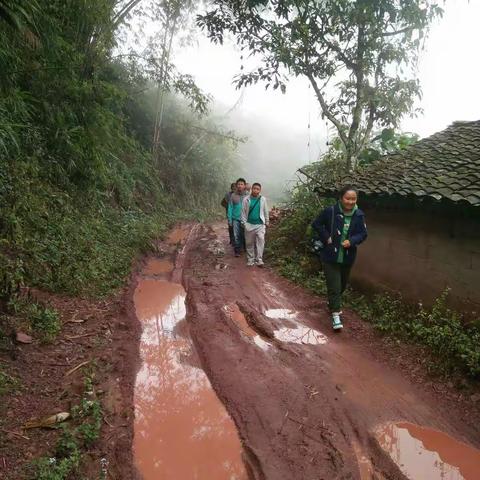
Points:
[423,453]
[182,430]
[239,318]
[298,333]
[281,313]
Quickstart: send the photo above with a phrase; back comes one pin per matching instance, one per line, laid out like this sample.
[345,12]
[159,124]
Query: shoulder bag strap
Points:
[333,220]
[253,206]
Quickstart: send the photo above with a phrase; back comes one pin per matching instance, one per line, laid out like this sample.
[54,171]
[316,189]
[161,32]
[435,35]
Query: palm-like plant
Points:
[19,14]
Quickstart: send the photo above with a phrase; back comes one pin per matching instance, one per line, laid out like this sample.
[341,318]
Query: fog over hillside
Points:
[272,152]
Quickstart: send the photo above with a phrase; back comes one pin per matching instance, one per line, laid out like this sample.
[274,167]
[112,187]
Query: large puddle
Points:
[239,318]
[426,454]
[182,430]
[281,313]
[299,333]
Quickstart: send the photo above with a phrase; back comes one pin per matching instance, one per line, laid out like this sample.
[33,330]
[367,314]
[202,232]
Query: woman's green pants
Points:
[336,276]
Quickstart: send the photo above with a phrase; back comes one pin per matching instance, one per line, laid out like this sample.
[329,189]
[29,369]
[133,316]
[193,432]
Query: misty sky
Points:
[449,71]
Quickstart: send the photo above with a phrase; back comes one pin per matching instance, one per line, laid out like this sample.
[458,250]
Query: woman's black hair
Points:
[345,189]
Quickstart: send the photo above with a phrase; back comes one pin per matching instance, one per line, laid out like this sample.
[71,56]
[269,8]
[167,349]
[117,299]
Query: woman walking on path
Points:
[341,228]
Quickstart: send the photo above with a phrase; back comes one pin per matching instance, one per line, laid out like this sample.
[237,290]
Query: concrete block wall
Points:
[419,255]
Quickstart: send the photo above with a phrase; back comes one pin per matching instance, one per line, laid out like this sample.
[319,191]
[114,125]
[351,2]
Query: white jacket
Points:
[263,209]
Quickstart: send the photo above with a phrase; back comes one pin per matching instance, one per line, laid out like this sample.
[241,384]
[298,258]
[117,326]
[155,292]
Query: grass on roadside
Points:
[76,438]
[42,319]
[7,382]
[454,344]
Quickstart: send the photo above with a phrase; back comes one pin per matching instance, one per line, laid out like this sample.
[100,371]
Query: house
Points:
[422,206]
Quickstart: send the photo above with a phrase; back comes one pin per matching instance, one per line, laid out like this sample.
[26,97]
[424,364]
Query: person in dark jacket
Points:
[340,228]
[225,202]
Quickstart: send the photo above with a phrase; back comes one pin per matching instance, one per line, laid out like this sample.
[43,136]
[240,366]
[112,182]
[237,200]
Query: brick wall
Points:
[415,254]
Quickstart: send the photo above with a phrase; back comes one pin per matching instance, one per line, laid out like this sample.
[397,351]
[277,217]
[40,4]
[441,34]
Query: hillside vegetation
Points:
[80,190]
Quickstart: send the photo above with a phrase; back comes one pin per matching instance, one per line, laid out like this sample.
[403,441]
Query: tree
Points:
[20,16]
[167,20]
[358,55]
[385,142]
[17,13]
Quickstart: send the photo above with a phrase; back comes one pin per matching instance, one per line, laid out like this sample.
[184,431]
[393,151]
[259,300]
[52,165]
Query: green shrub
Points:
[90,413]
[7,382]
[43,320]
[454,345]
[53,469]
[46,321]
[80,191]
[73,441]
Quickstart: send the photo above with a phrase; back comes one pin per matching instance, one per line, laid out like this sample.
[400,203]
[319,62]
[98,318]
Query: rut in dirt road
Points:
[182,430]
[306,404]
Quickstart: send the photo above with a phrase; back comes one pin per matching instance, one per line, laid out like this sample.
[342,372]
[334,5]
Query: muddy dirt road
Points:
[306,404]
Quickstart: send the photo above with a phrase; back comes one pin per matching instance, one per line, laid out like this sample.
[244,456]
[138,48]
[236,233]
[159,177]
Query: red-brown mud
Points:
[101,333]
[181,430]
[157,266]
[307,403]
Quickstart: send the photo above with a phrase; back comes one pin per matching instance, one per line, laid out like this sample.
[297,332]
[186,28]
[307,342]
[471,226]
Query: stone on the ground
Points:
[23,338]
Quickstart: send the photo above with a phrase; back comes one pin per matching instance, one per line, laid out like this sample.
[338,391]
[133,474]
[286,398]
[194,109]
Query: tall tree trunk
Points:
[353,140]
[170,30]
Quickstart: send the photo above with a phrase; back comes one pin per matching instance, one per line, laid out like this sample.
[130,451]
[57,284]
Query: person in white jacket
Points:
[255,219]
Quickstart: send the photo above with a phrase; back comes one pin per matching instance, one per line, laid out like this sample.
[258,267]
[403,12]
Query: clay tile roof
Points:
[445,165]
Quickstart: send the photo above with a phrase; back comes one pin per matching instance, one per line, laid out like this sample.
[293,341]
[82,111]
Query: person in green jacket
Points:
[341,229]
[255,220]
[234,214]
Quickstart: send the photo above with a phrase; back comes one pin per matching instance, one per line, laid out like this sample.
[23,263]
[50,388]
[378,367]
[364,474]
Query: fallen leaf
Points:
[73,337]
[77,367]
[75,321]
[48,422]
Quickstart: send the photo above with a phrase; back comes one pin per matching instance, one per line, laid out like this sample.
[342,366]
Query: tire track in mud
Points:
[182,431]
[303,411]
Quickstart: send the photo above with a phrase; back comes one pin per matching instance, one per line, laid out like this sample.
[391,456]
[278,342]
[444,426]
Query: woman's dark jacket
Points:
[357,233]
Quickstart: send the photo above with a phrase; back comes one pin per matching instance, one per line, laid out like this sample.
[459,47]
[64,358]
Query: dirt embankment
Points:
[101,339]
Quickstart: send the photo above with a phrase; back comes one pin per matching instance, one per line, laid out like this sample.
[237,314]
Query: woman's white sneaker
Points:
[336,321]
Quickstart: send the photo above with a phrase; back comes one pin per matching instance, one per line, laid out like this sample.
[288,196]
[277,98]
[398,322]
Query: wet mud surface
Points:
[182,430]
[308,403]
[101,333]
[210,370]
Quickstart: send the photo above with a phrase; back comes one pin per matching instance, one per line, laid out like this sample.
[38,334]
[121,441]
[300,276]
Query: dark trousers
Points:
[230,227]
[336,276]
[238,236]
